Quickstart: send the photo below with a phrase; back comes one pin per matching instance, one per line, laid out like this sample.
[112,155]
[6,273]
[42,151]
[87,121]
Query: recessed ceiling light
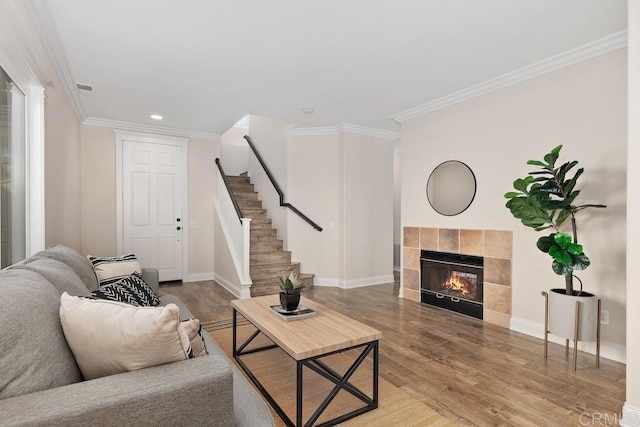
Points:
[307,110]
[156,117]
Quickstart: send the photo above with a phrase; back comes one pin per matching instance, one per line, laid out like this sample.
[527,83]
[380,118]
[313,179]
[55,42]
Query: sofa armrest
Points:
[151,278]
[190,392]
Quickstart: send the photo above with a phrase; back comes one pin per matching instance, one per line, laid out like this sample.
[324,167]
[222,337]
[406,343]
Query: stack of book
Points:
[302,312]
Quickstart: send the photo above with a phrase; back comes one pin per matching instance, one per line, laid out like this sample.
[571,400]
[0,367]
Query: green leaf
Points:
[569,185]
[537,163]
[520,184]
[545,243]
[561,269]
[563,239]
[511,194]
[564,169]
[559,255]
[574,249]
[551,159]
[579,208]
[562,216]
[580,262]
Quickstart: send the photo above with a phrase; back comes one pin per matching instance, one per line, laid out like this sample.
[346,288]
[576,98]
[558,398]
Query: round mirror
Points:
[451,188]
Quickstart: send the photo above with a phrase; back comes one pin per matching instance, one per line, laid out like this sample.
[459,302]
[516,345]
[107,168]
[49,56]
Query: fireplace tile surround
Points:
[496,246]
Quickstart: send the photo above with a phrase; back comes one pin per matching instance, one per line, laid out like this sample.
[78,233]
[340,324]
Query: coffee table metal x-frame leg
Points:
[315,364]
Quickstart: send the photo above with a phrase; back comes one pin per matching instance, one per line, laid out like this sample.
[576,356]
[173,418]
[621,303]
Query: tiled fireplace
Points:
[493,245]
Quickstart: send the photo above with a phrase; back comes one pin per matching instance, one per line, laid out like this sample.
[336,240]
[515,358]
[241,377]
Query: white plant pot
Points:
[562,315]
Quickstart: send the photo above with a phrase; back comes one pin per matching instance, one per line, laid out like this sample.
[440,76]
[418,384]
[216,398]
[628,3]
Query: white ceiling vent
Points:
[83,86]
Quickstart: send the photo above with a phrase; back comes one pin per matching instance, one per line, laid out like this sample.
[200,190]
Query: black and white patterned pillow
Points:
[197,346]
[131,290]
[112,269]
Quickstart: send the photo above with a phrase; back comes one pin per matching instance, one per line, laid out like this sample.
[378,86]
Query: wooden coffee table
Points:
[307,341]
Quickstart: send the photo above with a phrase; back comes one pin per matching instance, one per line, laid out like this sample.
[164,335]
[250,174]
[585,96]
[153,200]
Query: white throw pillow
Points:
[109,337]
[112,269]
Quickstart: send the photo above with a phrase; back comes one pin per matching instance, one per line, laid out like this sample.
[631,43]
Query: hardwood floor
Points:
[470,372]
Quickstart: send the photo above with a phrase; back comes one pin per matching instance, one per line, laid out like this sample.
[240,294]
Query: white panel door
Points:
[152,201]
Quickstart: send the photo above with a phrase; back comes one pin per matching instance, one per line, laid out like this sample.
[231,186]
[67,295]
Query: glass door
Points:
[12,173]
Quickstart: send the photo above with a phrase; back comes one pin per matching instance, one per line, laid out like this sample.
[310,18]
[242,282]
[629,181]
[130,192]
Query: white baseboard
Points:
[240,291]
[200,277]
[630,415]
[326,282]
[354,283]
[608,350]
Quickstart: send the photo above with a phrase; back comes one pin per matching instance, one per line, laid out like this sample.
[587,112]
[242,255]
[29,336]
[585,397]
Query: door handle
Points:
[178,219]
[178,228]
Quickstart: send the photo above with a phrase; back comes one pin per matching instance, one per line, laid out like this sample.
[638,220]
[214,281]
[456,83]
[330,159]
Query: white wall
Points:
[583,107]
[270,139]
[632,405]
[234,150]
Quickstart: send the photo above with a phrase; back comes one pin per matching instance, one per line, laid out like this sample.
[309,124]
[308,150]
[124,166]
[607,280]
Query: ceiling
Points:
[203,64]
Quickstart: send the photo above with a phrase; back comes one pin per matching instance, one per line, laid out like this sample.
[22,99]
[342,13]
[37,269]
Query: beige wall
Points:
[367,209]
[234,151]
[583,107]
[344,183]
[632,405]
[98,196]
[270,138]
[201,188]
[62,169]
[25,58]
[397,219]
[98,191]
[314,188]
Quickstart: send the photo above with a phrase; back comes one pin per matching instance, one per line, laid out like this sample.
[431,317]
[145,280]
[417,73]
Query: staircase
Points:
[267,258]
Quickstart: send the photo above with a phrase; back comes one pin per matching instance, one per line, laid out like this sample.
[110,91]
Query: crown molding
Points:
[50,38]
[582,53]
[342,128]
[313,131]
[362,130]
[137,127]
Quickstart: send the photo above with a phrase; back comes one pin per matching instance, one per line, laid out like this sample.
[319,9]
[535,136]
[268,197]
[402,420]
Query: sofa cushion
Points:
[34,354]
[73,259]
[112,269]
[131,290]
[109,337]
[59,274]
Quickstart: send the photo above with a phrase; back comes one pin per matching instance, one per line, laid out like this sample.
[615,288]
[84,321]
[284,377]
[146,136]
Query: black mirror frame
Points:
[475,187]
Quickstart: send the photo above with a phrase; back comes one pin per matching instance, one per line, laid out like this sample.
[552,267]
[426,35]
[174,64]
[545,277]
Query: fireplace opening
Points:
[452,281]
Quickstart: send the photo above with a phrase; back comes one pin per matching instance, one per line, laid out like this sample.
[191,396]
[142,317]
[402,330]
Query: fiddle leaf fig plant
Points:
[545,199]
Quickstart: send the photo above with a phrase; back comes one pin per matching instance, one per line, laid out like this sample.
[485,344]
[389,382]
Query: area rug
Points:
[215,325]
[276,371]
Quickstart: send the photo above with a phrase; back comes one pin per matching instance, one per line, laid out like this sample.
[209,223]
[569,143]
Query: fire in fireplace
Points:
[452,281]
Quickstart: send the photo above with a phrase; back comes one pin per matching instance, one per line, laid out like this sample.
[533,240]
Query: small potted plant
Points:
[290,288]
[544,200]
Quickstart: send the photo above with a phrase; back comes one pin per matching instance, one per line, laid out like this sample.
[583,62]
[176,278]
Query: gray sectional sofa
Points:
[41,385]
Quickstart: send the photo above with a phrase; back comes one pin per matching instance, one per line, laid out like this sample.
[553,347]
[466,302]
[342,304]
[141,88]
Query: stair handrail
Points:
[231,194]
[277,187]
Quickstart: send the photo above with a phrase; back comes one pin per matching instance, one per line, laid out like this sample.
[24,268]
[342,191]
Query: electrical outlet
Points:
[604,317]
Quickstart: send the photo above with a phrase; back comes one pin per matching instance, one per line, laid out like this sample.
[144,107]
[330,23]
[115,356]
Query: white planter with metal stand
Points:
[572,317]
